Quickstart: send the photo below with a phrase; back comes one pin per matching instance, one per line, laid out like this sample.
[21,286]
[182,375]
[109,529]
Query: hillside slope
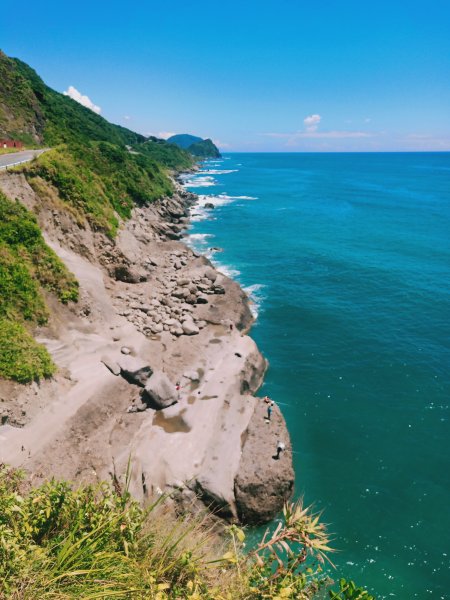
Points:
[34,113]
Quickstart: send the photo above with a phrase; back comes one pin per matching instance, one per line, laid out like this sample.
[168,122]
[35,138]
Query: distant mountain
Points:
[184,140]
[195,145]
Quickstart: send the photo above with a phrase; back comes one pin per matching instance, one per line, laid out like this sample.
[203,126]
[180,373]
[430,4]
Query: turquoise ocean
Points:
[347,260]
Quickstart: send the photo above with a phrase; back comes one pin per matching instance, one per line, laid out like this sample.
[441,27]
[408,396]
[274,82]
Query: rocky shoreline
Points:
[154,367]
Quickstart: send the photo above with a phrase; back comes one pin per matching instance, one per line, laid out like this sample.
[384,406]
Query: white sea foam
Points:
[221,199]
[200,181]
[256,295]
[200,237]
[220,171]
[226,269]
[200,214]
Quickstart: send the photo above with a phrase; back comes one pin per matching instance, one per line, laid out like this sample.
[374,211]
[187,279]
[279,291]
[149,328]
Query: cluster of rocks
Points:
[174,297]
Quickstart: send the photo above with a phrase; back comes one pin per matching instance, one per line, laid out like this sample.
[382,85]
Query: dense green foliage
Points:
[20,114]
[21,357]
[27,265]
[348,590]
[166,154]
[101,180]
[204,149]
[62,543]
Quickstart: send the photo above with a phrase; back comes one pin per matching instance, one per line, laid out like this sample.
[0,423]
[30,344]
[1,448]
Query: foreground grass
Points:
[92,542]
[27,267]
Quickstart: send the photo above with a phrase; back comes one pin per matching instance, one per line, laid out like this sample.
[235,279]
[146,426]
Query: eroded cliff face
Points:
[154,367]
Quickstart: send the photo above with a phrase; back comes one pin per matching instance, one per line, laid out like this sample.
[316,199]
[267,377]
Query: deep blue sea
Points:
[347,258]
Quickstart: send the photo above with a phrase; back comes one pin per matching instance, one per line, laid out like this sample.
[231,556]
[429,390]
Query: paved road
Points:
[8,160]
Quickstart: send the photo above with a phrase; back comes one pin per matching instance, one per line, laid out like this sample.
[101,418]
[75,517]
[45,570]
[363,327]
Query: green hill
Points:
[34,113]
[184,140]
[195,145]
[169,155]
[204,149]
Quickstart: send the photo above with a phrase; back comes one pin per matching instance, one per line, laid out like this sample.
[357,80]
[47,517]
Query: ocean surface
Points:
[347,260]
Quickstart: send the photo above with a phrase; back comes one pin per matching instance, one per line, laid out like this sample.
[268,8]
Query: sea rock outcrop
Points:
[263,482]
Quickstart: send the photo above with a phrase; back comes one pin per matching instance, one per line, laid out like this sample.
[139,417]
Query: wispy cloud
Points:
[73,93]
[162,135]
[312,122]
[165,134]
[426,141]
[337,135]
[221,144]
[127,117]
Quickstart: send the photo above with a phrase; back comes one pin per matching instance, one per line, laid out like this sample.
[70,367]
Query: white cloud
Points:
[73,93]
[367,120]
[127,117]
[312,122]
[221,144]
[165,134]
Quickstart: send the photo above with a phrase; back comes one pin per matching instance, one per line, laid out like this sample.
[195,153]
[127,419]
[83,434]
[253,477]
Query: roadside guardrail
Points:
[16,163]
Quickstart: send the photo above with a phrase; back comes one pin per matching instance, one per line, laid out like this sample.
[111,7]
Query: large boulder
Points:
[213,497]
[189,327]
[264,483]
[159,391]
[134,370]
[210,274]
[128,274]
[111,365]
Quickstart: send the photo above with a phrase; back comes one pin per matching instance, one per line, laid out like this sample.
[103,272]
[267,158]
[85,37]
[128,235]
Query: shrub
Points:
[21,357]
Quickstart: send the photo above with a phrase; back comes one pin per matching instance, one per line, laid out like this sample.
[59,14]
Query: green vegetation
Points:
[348,590]
[166,154]
[21,357]
[62,543]
[27,265]
[101,181]
[20,113]
[204,149]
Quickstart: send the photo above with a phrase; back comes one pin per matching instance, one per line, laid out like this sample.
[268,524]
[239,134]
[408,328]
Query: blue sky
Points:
[284,75]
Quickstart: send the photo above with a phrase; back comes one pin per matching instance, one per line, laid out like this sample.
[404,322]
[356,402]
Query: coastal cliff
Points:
[154,366]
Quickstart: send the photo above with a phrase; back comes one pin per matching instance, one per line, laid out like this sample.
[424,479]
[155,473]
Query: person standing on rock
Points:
[281,447]
[269,410]
[178,390]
